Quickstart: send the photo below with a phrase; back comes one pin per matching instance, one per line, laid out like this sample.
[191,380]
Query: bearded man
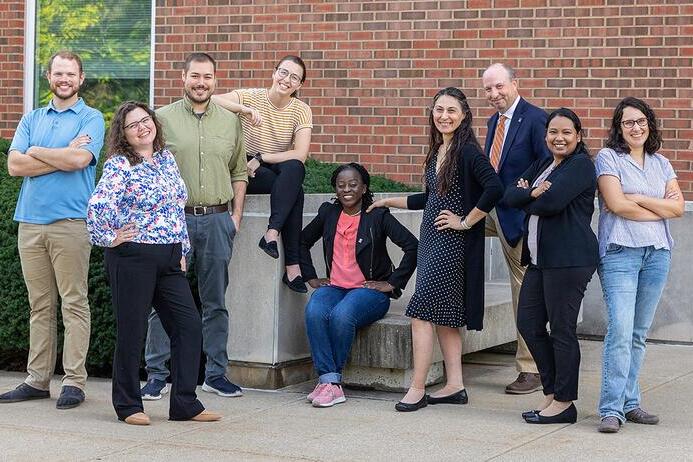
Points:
[55,148]
[207,142]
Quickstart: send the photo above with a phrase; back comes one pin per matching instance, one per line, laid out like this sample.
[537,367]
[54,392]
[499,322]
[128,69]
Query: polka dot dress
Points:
[439,293]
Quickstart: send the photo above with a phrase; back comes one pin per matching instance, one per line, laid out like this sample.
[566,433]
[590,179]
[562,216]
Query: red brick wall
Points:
[374,65]
[11,65]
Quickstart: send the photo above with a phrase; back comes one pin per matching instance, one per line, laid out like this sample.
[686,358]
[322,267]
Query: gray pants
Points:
[211,238]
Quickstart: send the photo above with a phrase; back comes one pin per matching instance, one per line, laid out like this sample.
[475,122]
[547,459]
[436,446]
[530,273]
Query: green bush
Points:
[318,175]
[14,308]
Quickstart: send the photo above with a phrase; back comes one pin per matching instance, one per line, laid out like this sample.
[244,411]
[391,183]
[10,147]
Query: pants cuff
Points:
[38,386]
[330,377]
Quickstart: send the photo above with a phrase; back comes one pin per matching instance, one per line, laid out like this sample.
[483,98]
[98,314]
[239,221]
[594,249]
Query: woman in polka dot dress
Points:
[461,187]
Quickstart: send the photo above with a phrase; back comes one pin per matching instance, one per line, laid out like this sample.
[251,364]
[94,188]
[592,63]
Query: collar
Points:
[511,110]
[188,106]
[76,108]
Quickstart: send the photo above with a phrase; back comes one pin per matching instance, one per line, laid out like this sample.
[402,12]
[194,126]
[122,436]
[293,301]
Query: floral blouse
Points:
[151,195]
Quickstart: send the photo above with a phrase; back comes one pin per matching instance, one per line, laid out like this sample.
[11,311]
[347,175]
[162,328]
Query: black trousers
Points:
[284,183]
[142,276]
[554,296]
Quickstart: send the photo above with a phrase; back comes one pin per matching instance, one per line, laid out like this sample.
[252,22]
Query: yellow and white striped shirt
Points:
[276,134]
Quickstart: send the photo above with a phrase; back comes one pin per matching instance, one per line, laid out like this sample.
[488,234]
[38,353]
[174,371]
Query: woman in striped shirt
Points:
[277,128]
[638,193]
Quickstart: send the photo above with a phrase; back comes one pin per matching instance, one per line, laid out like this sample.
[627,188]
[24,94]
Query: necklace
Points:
[352,215]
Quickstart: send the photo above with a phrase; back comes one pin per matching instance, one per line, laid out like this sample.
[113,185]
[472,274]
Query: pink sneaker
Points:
[316,391]
[329,396]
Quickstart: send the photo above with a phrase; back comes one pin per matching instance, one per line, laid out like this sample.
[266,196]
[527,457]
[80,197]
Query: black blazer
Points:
[564,235]
[371,249]
[481,189]
[524,144]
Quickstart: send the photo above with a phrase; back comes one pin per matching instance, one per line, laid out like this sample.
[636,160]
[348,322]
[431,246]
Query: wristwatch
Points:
[258,156]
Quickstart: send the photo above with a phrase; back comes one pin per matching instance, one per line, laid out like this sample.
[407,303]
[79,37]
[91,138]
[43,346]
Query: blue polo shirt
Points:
[59,195]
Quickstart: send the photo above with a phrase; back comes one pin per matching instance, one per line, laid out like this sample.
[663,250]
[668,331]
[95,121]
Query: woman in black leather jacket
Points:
[361,278]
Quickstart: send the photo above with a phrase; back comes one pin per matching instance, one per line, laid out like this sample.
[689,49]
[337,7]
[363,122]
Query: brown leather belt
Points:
[200,210]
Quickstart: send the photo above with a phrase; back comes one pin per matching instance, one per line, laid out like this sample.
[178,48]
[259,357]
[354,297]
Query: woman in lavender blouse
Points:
[136,212]
[638,193]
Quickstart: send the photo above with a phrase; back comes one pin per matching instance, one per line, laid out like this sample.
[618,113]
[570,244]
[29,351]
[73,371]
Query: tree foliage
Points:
[112,38]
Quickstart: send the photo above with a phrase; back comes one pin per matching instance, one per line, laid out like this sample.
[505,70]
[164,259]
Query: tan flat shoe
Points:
[207,416]
[139,418]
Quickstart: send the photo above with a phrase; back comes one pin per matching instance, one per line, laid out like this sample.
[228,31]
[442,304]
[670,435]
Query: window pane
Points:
[113,39]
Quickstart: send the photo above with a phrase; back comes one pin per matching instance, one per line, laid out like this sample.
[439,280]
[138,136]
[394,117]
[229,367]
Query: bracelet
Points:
[465,225]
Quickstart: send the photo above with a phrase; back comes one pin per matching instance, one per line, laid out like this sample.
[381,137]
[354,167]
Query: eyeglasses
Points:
[642,122]
[282,73]
[143,121]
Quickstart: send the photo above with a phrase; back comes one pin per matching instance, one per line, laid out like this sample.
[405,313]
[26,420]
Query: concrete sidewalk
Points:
[283,426]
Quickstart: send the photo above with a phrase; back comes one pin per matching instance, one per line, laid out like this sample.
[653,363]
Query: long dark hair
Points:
[367,198]
[615,140]
[463,135]
[297,60]
[117,142]
[573,117]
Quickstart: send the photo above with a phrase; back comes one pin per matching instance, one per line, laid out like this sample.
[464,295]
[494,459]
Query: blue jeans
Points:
[211,239]
[632,281]
[332,316]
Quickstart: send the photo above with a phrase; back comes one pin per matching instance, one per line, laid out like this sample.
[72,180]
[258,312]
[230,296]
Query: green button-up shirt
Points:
[209,150]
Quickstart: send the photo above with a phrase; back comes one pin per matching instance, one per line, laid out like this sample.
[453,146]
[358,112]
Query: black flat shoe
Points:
[407,407]
[567,416]
[456,398]
[270,248]
[297,284]
[530,413]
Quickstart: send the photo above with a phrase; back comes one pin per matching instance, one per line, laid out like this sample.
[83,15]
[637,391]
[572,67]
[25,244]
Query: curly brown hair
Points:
[615,139]
[117,142]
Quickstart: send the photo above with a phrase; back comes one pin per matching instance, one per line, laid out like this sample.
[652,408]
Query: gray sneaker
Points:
[609,424]
[642,417]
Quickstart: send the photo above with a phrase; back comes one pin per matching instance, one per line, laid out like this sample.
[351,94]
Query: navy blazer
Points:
[524,144]
[564,235]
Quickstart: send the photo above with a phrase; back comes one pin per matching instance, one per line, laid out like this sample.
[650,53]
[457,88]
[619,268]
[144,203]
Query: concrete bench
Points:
[267,343]
[382,355]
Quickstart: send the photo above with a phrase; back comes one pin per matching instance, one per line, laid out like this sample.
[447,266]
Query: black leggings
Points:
[553,295]
[284,182]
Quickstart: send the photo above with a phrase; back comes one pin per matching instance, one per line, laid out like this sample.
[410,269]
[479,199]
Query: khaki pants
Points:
[523,358]
[55,261]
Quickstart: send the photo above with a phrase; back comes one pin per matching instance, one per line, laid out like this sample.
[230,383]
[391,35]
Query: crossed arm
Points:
[638,207]
[38,160]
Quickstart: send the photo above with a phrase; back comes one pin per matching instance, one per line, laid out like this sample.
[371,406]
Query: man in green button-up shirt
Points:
[207,142]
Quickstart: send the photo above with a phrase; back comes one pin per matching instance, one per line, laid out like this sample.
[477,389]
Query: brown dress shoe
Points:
[526,382]
[206,416]
[642,417]
[139,418]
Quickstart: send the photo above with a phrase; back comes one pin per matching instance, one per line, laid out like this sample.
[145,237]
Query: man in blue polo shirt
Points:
[55,148]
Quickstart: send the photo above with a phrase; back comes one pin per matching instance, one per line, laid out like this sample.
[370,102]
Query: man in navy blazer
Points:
[515,138]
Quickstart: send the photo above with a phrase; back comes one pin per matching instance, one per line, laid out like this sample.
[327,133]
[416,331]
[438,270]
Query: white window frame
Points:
[30,53]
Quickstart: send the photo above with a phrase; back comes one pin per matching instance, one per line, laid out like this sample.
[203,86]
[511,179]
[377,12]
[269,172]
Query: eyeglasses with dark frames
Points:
[143,121]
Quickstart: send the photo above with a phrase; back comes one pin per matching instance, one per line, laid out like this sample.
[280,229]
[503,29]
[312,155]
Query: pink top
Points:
[345,271]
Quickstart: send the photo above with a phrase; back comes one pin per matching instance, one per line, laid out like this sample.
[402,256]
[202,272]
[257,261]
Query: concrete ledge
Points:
[382,354]
[267,344]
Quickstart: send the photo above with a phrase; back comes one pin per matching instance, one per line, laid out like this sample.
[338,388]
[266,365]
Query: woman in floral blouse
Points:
[136,212]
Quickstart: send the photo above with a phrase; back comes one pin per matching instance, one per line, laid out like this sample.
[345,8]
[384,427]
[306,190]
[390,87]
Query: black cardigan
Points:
[482,189]
[564,235]
[371,245]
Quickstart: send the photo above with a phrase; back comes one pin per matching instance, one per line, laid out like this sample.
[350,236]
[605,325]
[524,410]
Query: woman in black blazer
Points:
[361,278]
[562,253]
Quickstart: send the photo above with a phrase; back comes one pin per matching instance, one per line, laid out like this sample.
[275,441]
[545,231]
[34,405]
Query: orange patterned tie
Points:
[497,143]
